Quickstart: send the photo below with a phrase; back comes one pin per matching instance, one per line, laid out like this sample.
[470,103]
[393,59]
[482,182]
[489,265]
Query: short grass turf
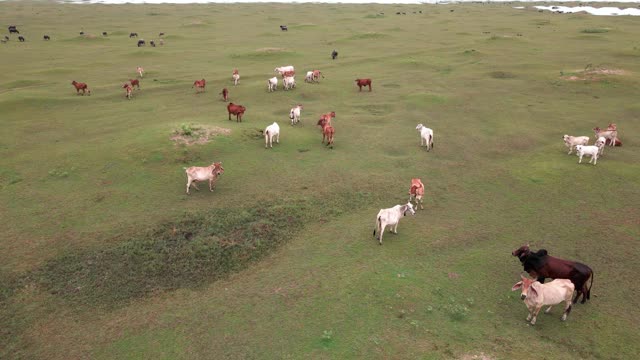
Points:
[103,255]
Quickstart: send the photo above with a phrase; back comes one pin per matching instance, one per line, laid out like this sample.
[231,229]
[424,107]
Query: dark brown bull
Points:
[540,265]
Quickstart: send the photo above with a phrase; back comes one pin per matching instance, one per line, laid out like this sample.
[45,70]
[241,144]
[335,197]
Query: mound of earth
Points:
[198,135]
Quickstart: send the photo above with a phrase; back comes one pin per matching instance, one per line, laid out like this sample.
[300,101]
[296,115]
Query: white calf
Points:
[571,141]
[289,82]
[600,143]
[211,173]
[309,77]
[592,151]
[272,84]
[294,114]
[272,131]
[391,217]
[140,71]
[426,136]
[537,295]
[236,78]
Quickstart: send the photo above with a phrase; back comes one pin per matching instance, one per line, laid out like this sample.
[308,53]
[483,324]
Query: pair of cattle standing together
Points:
[391,216]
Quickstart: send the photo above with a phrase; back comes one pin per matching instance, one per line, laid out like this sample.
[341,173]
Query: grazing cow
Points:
[592,151]
[600,143]
[21,38]
[540,265]
[283,69]
[327,131]
[288,74]
[309,77]
[426,136]
[133,35]
[317,74]
[272,84]
[363,82]
[80,86]
[334,55]
[161,34]
[536,295]
[140,71]
[391,217]
[13,30]
[152,43]
[81,33]
[135,82]
[416,192]
[272,131]
[572,141]
[128,89]
[328,116]
[161,42]
[104,33]
[199,85]
[283,28]
[46,37]
[141,42]
[289,82]
[237,110]
[611,134]
[225,94]
[235,76]
[211,173]
[294,114]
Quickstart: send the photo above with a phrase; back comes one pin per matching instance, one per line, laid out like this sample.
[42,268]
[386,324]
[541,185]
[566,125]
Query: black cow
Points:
[13,30]
[334,54]
[81,32]
[46,37]
[152,43]
[284,28]
[104,33]
[141,42]
[133,35]
[21,38]
[161,34]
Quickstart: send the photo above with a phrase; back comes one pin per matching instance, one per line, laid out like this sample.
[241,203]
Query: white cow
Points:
[571,141]
[211,173]
[592,151]
[236,78]
[600,143]
[282,69]
[537,295]
[609,134]
[294,114]
[289,82]
[309,77]
[140,71]
[272,84]
[272,131]
[391,217]
[426,136]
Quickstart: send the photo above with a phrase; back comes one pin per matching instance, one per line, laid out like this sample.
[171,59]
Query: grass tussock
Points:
[595,31]
[268,53]
[368,36]
[502,75]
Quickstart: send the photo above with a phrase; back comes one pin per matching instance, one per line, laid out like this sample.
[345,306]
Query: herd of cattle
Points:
[569,276]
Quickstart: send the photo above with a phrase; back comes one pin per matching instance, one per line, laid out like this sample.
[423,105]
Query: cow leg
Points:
[189,181]
[395,228]
[194,182]
[530,315]
[211,185]
[548,310]
[535,314]
[278,138]
[229,116]
[580,160]
[382,227]
[369,87]
[570,150]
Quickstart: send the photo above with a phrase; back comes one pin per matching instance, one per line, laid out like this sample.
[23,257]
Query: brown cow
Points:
[327,117]
[81,86]
[199,85]
[128,89]
[237,110]
[134,83]
[317,74]
[363,82]
[327,131]
[225,94]
[416,192]
[540,265]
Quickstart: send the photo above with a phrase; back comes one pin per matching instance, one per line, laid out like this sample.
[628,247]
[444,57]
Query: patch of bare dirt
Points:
[198,135]
[270,49]
[593,73]
[480,356]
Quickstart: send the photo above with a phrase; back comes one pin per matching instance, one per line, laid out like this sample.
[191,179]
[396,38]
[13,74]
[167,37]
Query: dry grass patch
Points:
[480,356]
[592,73]
[191,135]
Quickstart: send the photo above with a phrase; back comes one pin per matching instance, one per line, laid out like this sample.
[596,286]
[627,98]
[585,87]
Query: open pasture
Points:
[103,255]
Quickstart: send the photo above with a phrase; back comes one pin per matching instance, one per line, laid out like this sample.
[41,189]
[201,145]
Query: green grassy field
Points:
[104,256]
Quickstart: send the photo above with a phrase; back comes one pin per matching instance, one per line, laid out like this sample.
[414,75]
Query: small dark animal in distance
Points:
[21,38]
[141,42]
[13,30]
[104,33]
[334,54]
[161,34]
[46,37]
[133,35]
[81,32]
[284,28]
[152,43]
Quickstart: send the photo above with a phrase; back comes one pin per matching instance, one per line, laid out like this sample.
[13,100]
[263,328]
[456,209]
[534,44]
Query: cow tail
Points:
[377,225]
[432,142]
[593,274]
